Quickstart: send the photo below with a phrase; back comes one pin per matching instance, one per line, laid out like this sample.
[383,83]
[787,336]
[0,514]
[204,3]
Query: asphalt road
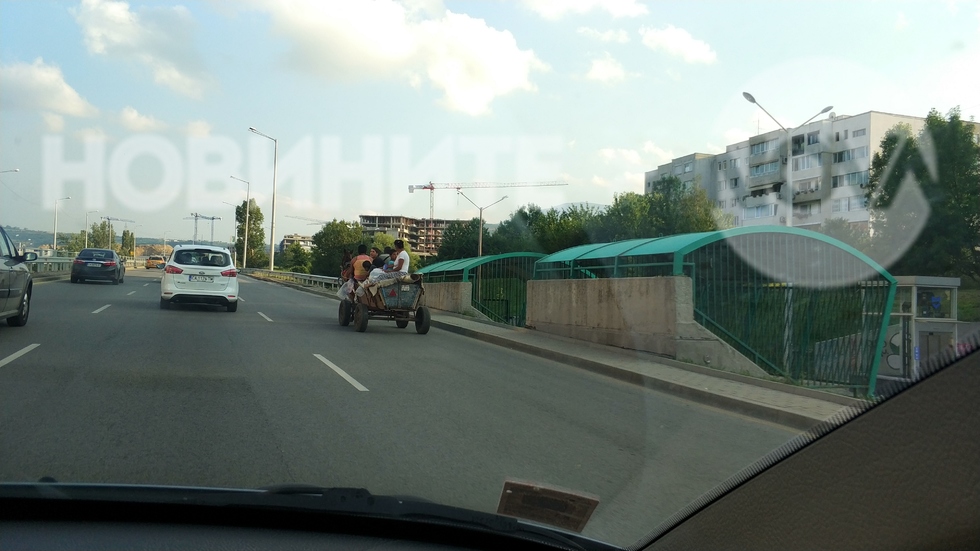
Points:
[103,386]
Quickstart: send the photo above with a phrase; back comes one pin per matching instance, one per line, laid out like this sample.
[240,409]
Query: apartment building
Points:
[422,234]
[304,241]
[827,161]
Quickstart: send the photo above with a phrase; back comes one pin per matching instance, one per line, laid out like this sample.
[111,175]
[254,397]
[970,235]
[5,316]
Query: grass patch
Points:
[968,305]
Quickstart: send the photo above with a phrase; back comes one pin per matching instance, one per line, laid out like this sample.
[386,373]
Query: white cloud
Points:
[618,35]
[901,22]
[469,61]
[132,120]
[53,122]
[678,43]
[555,9]
[648,155]
[198,129]
[606,69]
[41,86]
[600,181]
[159,38]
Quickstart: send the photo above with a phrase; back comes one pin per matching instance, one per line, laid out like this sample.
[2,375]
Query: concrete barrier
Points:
[653,314]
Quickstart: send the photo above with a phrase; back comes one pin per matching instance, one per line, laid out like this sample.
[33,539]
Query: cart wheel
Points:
[360,318]
[422,320]
[401,323]
[345,312]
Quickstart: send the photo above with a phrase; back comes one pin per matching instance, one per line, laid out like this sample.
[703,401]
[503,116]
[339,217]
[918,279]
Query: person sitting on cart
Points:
[402,260]
[398,270]
[377,261]
[360,274]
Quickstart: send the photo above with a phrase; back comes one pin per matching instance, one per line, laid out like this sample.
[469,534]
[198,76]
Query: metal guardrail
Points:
[308,280]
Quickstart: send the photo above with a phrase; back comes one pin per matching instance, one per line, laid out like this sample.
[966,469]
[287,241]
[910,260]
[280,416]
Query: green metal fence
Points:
[798,304]
[499,283]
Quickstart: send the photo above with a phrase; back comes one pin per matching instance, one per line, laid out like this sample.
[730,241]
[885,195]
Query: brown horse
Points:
[346,270]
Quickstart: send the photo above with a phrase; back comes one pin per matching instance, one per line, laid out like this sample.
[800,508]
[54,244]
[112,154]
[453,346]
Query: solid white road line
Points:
[145,284]
[342,373]
[101,309]
[20,353]
[267,318]
[129,293]
[241,299]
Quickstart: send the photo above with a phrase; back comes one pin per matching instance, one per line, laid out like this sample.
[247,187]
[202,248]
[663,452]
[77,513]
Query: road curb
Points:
[702,396]
[49,277]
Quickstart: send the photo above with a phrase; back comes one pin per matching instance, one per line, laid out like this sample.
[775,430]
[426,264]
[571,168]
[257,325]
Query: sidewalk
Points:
[784,404]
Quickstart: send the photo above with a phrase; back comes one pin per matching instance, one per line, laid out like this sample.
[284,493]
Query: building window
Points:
[807,186]
[859,132]
[762,211]
[721,185]
[851,179]
[736,220]
[810,161]
[688,167]
[762,147]
[721,204]
[678,169]
[806,209]
[858,202]
[847,155]
[719,165]
[812,138]
[798,145]
[845,134]
[736,163]
[688,184]
[733,183]
[765,168]
[734,202]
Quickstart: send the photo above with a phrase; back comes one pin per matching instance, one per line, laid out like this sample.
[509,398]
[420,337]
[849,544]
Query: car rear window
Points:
[156,258]
[203,258]
[95,254]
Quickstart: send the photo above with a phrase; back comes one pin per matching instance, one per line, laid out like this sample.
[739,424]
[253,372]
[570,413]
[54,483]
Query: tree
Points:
[383,240]
[924,199]
[842,230]
[257,256]
[128,242]
[100,237]
[516,234]
[676,208]
[459,240]
[297,259]
[74,243]
[330,243]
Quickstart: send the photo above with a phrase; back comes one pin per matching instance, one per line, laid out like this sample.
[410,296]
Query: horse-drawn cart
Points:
[395,300]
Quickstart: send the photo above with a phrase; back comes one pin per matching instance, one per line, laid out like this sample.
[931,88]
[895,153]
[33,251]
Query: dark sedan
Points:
[98,264]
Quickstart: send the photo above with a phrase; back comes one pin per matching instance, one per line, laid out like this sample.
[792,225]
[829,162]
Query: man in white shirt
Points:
[402,260]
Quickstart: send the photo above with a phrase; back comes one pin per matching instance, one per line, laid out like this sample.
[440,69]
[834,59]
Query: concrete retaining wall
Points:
[451,297]
[653,314]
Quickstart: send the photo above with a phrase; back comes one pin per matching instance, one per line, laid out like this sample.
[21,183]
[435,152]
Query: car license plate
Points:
[94,265]
[202,279]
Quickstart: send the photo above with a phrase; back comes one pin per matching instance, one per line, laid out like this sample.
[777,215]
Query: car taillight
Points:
[109,263]
[230,273]
[78,261]
[173,270]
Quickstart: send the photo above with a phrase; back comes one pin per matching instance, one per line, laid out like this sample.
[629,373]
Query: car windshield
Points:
[648,243]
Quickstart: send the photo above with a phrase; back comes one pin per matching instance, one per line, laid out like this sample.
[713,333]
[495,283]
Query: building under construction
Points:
[414,231]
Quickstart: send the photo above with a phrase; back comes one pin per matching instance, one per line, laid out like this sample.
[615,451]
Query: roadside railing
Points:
[308,280]
[46,265]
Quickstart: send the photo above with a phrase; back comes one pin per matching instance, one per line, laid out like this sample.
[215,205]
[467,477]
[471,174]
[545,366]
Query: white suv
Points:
[199,274]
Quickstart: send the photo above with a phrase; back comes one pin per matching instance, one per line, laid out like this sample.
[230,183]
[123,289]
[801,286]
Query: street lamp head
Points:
[826,109]
[252,129]
[748,96]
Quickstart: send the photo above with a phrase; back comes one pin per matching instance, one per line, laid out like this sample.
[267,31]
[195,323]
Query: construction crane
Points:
[312,221]
[195,217]
[110,219]
[433,186]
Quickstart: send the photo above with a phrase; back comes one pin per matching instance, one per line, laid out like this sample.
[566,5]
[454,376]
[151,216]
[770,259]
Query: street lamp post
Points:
[54,246]
[275,170]
[234,250]
[134,239]
[86,226]
[479,246]
[479,242]
[788,186]
[248,207]
[788,197]
[165,243]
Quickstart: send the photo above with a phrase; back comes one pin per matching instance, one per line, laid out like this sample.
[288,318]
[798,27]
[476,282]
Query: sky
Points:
[142,110]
